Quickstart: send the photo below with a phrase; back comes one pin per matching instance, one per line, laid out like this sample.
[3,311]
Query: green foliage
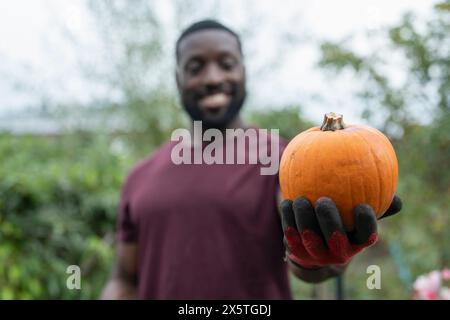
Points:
[58,198]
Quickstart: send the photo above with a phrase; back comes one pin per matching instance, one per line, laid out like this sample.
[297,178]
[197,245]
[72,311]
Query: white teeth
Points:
[214,101]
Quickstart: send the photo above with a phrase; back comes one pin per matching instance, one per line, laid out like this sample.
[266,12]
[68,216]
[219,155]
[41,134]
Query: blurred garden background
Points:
[88,88]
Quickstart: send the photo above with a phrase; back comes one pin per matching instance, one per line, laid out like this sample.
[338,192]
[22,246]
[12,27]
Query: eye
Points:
[228,63]
[193,67]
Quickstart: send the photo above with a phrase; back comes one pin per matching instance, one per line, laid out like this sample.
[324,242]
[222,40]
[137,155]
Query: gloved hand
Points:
[315,237]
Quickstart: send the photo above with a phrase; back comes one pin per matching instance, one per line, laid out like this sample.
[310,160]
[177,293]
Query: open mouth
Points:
[214,103]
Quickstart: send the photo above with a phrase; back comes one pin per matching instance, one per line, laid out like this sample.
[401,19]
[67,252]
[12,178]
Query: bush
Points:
[58,198]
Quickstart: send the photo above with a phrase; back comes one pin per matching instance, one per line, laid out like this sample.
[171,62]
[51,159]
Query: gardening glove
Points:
[315,237]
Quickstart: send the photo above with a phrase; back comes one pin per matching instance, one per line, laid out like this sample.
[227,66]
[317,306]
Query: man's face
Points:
[211,77]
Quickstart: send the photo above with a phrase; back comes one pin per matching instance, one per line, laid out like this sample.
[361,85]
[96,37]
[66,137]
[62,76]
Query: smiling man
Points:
[211,75]
[202,231]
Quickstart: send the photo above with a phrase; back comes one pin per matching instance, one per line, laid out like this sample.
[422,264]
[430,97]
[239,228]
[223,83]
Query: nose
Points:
[213,75]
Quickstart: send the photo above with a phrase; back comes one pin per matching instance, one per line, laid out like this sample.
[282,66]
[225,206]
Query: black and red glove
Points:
[315,237]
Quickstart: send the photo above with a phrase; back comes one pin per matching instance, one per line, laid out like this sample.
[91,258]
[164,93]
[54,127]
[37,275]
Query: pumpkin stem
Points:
[332,122]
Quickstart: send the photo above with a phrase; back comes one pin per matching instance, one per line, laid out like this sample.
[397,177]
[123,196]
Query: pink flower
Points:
[446,274]
[426,287]
[429,286]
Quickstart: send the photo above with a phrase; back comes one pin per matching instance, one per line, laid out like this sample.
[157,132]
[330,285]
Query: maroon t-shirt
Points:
[204,231]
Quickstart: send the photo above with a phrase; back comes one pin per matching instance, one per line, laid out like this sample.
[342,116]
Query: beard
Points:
[224,117]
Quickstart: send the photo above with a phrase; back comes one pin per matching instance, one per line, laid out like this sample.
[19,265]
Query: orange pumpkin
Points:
[351,164]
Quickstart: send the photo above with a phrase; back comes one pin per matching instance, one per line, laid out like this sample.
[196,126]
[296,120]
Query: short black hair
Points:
[204,25]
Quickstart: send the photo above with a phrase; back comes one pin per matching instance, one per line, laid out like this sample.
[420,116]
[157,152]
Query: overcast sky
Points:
[33,52]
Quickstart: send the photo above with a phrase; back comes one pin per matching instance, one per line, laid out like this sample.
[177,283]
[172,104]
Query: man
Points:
[200,231]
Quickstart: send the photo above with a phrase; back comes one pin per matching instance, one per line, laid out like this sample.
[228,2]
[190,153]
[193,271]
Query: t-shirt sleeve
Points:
[126,227]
